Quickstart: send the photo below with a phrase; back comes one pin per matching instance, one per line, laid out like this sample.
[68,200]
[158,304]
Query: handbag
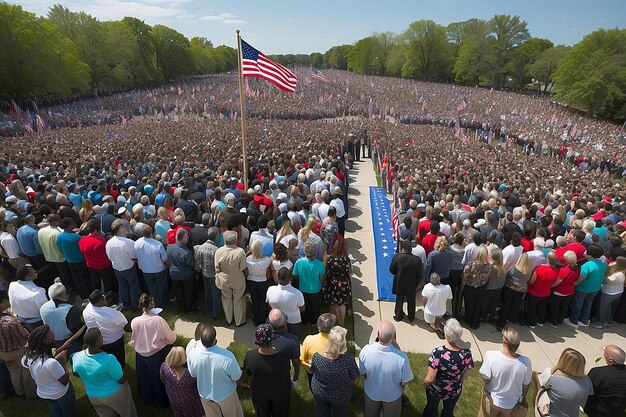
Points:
[542,400]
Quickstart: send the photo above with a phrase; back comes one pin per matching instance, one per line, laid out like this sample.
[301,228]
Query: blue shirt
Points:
[151,255]
[68,243]
[309,272]
[27,239]
[266,239]
[99,373]
[594,270]
[76,199]
[385,368]
[181,258]
[216,370]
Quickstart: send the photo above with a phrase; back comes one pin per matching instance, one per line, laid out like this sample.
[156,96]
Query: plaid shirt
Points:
[12,334]
[204,258]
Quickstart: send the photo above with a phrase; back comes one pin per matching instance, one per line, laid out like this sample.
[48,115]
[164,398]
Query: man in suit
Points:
[407,274]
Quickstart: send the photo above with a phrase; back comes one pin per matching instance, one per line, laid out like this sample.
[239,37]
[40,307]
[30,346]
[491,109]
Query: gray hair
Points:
[309,249]
[325,322]
[230,237]
[213,233]
[57,291]
[386,332]
[181,234]
[435,279]
[453,331]
[277,319]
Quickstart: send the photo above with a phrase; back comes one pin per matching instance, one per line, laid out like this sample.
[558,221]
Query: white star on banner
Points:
[385,247]
[385,254]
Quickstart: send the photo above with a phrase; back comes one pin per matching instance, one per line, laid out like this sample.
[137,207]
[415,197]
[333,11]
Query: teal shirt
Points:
[594,270]
[309,272]
[68,243]
[99,373]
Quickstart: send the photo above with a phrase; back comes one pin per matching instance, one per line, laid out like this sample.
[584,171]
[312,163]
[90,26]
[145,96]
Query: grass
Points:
[301,400]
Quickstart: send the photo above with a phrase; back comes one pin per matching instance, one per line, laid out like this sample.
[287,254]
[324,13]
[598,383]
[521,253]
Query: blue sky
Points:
[277,26]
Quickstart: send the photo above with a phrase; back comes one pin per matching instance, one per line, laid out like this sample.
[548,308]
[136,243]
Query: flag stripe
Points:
[256,64]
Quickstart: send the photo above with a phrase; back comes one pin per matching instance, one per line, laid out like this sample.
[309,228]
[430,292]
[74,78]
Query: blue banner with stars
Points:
[384,243]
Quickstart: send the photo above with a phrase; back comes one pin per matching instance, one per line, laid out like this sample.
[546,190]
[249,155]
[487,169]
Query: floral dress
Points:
[182,393]
[450,365]
[337,288]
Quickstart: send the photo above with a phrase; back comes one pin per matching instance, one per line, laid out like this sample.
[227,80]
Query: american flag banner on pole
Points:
[573,130]
[256,64]
[462,106]
[317,74]
[395,215]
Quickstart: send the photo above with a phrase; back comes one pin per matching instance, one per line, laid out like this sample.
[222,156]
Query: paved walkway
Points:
[543,344]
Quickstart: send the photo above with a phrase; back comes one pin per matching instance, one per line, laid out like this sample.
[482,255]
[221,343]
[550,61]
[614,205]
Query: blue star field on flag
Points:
[384,243]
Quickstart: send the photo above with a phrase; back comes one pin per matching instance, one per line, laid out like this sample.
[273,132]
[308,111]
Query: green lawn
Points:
[301,402]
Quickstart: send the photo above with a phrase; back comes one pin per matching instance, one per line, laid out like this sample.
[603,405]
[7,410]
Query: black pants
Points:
[312,305]
[102,279]
[536,309]
[64,273]
[117,349]
[511,302]
[558,305]
[490,304]
[80,276]
[454,281]
[473,297]
[341,225]
[183,289]
[402,296]
[258,291]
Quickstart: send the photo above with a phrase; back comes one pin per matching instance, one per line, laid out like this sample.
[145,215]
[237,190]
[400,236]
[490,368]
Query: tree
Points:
[367,57]
[395,60]
[429,55]
[204,61]
[510,32]
[546,64]
[172,53]
[337,57]
[317,59]
[37,58]
[522,56]
[476,54]
[145,71]
[592,75]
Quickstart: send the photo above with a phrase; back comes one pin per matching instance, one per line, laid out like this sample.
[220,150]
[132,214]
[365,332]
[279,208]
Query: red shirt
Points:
[578,248]
[546,276]
[598,215]
[568,275]
[93,249]
[527,244]
[428,243]
[171,234]
[559,254]
[423,228]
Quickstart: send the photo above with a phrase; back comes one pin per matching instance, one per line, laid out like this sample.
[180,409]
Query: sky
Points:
[281,27]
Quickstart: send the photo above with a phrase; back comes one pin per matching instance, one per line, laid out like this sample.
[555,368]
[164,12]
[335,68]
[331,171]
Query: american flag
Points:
[317,74]
[395,215]
[573,130]
[462,106]
[256,64]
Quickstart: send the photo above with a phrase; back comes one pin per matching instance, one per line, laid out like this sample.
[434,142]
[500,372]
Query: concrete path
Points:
[542,344]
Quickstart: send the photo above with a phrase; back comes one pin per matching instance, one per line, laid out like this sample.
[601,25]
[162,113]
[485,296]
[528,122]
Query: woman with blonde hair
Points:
[610,293]
[567,386]
[543,278]
[181,388]
[494,286]
[564,290]
[515,286]
[286,233]
[474,284]
[86,211]
[257,281]
[334,374]
[439,260]
[307,234]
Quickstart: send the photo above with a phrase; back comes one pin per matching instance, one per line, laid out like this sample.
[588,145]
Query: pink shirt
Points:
[150,334]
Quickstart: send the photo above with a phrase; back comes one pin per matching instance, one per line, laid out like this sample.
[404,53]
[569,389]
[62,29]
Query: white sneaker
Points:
[581,324]
[597,326]
[540,324]
[569,323]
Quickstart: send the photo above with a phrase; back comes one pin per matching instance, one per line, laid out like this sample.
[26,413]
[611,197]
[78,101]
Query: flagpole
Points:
[243,116]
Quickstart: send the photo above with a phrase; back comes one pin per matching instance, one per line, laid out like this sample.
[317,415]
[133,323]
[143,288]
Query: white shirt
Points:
[46,375]
[285,240]
[419,251]
[616,285]
[445,229]
[110,322]
[506,377]
[287,299]
[320,210]
[9,245]
[510,256]
[470,253]
[535,258]
[121,252]
[437,295]
[338,205]
[257,268]
[26,299]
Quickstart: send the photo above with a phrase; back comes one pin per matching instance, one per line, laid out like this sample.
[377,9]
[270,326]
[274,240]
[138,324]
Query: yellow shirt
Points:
[48,241]
[312,344]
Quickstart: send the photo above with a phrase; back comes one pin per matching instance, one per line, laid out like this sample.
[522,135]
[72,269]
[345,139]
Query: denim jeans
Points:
[128,287]
[606,308]
[581,306]
[432,406]
[64,406]
[157,286]
[212,296]
[325,409]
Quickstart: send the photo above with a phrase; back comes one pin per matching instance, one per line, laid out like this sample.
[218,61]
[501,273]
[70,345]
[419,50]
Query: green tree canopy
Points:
[546,64]
[429,56]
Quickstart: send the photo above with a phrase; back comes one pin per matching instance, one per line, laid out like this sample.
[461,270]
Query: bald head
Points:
[614,355]
[386,332]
